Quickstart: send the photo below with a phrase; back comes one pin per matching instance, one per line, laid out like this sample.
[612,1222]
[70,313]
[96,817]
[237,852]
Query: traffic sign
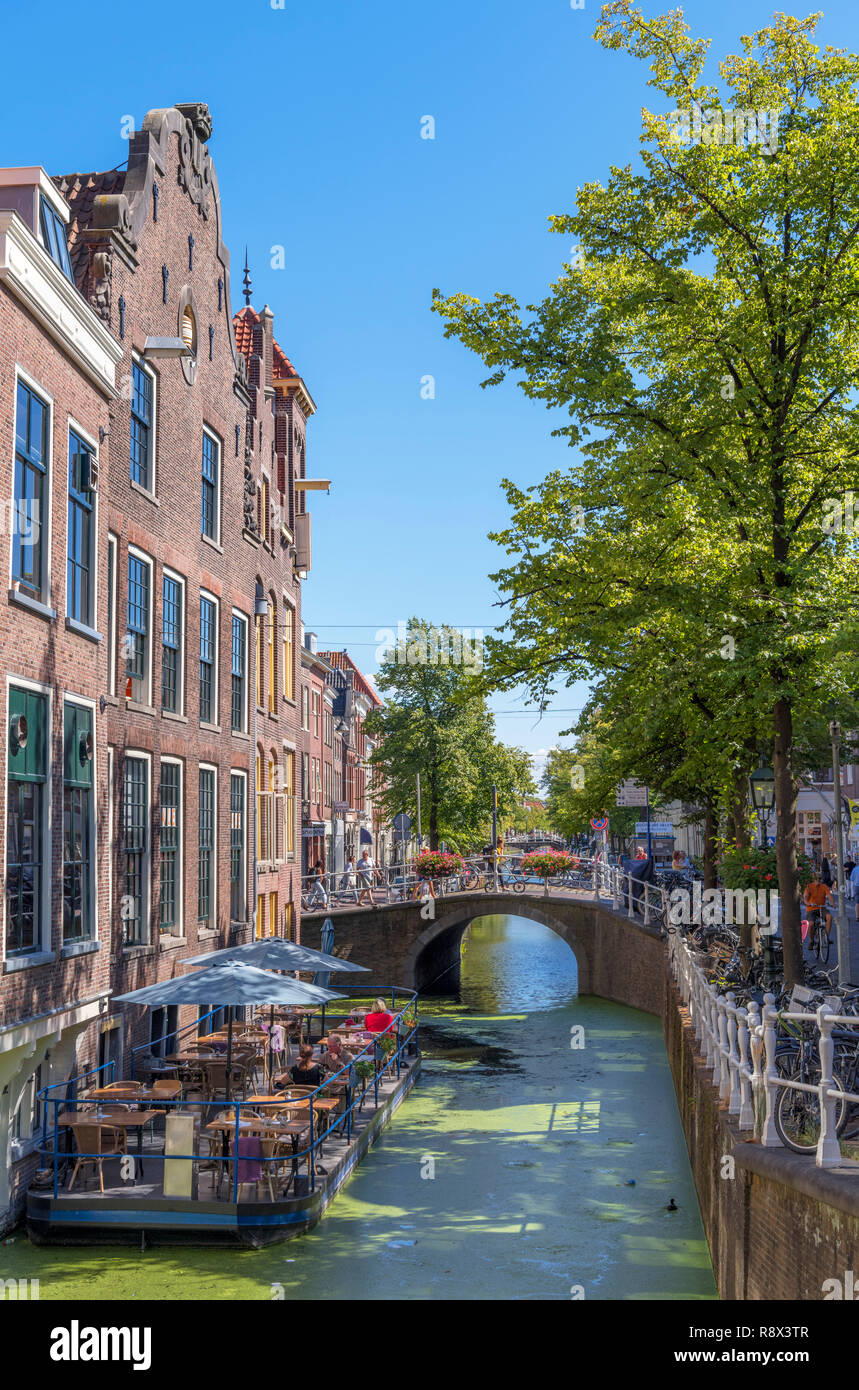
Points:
[599,822]
[657,827]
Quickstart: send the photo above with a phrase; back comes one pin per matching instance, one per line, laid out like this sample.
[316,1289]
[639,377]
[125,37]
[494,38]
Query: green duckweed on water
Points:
[520,1167]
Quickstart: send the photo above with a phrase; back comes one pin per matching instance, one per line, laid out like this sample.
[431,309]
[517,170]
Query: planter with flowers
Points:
[755,869]
[438,865]
[547,863]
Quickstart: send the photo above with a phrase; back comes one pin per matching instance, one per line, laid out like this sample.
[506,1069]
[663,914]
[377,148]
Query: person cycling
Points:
[817,896]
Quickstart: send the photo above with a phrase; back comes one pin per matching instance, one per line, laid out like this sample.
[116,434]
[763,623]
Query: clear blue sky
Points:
[317,111]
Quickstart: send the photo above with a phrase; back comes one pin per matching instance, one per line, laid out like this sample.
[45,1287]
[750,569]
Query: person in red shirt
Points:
[378,1020]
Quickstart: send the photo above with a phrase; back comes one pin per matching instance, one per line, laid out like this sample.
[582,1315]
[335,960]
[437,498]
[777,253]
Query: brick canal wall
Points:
[777,1226]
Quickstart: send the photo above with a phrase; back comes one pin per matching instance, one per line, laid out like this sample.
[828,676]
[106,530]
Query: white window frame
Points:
[216,440]
[70,697]
[213,916]
[138,361]
[179,925]
[146,871]
[216,713]
[142,555]
[94,548]
[240,772]
[168,573]
[113,580]
[237,613]
[48,493]
[44,952]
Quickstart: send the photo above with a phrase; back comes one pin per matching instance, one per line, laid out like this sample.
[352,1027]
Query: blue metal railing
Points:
[176,1033]
[372,1051]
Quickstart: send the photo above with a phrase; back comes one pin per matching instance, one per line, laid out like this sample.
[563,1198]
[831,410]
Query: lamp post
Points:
[842,932]
[762,791]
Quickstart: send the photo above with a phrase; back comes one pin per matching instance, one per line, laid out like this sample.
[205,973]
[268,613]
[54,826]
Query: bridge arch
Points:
[433,957]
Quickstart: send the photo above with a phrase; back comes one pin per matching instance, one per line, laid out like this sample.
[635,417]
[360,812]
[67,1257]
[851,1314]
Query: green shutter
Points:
[28,764]
[77,723]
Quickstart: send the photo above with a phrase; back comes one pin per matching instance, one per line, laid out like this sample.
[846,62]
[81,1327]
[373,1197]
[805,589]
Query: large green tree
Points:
[705,344]
[435,723]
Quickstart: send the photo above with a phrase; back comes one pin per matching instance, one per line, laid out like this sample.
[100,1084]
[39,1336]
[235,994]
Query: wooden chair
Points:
[124,1086]
[95,1143]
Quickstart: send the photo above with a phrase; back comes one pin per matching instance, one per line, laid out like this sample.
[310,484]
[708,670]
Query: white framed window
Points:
[80,820]
[136,847]
[27,899]
[30,513]
[239,672]
[144,395]
[172,642]
[210,488]
[112,575]
[82,528]
[209,630]
[138,635]
[207,848]
[238,845]
[171,839]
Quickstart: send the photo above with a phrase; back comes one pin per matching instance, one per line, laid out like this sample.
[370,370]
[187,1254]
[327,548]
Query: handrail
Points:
[176,1033]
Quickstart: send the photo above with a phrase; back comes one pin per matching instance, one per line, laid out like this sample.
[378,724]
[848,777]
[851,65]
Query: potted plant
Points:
[547,863]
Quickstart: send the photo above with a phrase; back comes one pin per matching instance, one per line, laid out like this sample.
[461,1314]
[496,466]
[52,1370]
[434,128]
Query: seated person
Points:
[336,1056]
[306,1072]
[378,1020]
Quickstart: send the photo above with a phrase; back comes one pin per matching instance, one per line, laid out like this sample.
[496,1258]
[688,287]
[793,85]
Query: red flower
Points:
[768,877]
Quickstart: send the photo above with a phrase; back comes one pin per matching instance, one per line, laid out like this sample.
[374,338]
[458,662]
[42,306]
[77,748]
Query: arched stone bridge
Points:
[617,958]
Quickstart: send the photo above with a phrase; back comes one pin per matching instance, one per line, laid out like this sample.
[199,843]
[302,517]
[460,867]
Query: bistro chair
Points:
[94,1143]
[124,1086]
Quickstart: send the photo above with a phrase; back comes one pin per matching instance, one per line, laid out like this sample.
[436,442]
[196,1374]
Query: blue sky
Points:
[317,118]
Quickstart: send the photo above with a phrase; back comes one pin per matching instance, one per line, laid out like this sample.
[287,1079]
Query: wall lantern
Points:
[85,748]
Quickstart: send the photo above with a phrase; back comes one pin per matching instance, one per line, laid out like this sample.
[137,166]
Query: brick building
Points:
[358,824]
[57,382]
[317,759]
[150,704]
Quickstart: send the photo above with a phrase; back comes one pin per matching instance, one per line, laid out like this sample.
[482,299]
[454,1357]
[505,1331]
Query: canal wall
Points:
[778,1226]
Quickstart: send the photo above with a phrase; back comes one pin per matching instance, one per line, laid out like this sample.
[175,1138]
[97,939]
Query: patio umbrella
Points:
[322,977]
[231,983]
[273,953]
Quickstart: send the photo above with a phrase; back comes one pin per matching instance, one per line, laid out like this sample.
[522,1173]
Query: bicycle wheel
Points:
[518,885]
[797,1113]
[825,943]
[815,940]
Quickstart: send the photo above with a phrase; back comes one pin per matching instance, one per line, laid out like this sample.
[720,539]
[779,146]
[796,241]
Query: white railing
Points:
[739,1046]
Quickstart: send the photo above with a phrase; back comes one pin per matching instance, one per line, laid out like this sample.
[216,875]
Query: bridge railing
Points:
[755,1059]
[396,883]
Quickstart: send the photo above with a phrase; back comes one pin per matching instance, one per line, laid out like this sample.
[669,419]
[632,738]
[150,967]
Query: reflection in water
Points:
[521,1167]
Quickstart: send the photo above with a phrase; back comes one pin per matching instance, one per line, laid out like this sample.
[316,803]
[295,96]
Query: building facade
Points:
[156,474]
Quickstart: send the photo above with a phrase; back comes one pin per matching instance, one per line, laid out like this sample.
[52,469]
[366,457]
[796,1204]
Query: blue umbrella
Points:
[322,977]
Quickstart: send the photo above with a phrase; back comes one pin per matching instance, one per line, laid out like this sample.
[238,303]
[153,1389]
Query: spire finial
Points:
[247,283]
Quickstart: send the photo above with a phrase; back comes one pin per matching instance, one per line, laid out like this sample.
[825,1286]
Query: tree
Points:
[435,723]
[706,347]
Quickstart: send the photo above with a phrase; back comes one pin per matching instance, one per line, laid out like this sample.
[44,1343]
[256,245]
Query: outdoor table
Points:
[128,1119]
[132,1096]
[248,1124]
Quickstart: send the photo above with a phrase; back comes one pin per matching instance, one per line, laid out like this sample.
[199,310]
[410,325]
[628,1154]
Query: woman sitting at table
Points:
[379,1020]
[306,1072]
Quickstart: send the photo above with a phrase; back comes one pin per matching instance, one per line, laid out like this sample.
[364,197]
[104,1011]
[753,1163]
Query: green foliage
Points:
[435,722]
[756,868]
[705,349]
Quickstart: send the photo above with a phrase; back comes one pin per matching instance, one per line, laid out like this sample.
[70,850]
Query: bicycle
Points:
[819,940]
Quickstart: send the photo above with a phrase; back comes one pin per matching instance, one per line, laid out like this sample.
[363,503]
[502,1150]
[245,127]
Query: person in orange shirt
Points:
[816,897]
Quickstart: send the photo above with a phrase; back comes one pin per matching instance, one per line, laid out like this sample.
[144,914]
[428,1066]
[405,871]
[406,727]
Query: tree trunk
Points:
[433,825]
[740,810]
[785,843]
[709,844]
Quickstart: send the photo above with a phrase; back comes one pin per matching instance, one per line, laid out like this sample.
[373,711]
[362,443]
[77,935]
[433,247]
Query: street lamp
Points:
[841,930]
[762,792]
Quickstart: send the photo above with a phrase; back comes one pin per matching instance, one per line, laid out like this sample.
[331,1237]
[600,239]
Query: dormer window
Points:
[54,237]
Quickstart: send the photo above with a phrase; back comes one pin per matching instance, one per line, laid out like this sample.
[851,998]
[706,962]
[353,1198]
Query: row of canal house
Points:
[154,537]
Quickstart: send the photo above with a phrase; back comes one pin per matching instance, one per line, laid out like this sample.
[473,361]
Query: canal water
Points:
[536,1159]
